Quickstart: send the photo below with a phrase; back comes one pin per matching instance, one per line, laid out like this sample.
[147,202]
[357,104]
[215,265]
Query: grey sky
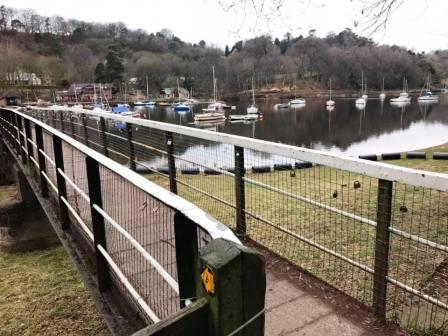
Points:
[418,24]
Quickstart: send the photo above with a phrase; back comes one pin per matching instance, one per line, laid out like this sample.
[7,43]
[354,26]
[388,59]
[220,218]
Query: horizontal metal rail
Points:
[47,157]
[78,218]
[363,267]
[159,268]
[310,201]
[32,142]
[312,243]
[210,225]
[437,181]
[141,302]
[55,189]
[35,162]
[358,218]
[355,217]
[74,186]
[222,171]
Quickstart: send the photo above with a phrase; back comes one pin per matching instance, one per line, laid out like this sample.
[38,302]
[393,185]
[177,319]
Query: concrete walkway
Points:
[298,304]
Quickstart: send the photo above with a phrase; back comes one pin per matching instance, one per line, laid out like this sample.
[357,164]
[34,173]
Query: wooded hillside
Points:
[63,51]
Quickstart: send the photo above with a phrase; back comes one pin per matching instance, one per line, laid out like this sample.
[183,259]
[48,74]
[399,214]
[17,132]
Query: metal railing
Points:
[375,231]
[142,238]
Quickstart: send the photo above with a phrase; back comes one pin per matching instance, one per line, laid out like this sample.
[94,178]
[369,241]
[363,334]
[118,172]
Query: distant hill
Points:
[63,51]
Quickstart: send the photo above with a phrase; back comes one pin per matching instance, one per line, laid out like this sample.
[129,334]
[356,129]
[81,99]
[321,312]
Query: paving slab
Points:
[299,304]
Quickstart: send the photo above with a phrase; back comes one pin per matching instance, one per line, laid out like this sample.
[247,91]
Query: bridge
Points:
[135,201]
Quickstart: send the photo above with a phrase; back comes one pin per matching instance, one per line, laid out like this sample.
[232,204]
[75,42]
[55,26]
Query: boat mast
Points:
[147,89]
[330,88]
[125,93]
[362,82]
[214,84]
[178,91]
[253,91]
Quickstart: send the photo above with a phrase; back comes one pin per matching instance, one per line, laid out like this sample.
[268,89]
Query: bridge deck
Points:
[298,304]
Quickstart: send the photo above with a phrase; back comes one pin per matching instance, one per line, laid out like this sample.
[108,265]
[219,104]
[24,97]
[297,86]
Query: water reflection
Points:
[376,127]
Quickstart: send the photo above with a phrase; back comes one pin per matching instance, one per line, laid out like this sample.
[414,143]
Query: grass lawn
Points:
[42,294]
[274,218]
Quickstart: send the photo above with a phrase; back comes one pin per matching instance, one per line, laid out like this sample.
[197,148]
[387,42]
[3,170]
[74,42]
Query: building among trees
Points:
[11,98]
[86,92]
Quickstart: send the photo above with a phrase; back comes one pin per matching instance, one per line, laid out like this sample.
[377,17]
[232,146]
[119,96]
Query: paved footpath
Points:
[298,304]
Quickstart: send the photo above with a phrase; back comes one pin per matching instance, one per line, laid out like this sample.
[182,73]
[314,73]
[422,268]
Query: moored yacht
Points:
[428,96]
[404,96]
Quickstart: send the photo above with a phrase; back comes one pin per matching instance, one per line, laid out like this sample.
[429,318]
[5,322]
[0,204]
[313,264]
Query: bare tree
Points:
[374,14]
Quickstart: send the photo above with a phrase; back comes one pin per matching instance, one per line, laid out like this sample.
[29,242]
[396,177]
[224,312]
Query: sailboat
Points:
[180,107]
[361,101]
[382,95]
[215,105]
[428,96]
[252,109]
[444,89]
[364,95]
[147,102]
[404,96]
[99,106]
[296,101]
[215,110]
[330,102]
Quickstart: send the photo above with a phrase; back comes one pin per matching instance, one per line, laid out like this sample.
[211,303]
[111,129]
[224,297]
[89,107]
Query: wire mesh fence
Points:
[377,233]
[127,224]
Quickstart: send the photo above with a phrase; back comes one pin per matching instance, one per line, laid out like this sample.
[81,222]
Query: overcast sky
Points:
[418,24]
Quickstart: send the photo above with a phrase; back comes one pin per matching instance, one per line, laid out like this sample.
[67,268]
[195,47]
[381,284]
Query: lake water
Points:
[378,128]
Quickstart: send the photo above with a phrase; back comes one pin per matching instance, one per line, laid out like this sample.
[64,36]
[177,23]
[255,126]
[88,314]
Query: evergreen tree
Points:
[114,68]
[227,51]
[99,73]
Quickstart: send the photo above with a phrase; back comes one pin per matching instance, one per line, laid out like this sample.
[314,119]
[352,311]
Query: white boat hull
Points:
[252,109]
[209,116]
[360,101]
[297,102]
[243,117]
[281,106]
[401,100]
[330,102]
[428,99]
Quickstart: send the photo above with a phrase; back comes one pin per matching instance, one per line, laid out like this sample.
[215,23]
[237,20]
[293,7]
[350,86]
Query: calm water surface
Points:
[378,128]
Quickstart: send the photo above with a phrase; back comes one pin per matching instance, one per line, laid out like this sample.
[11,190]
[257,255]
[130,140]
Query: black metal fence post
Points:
[99,232]
[103,131]
[61,118]
[21,139]
[41,159]
[11,129]
[28,139]
[171,162]
[84,127]
[16,131]
[62,188]
[384,215]
[72,126]
[53,118]
[240,192]
[186,238]
[131,146]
